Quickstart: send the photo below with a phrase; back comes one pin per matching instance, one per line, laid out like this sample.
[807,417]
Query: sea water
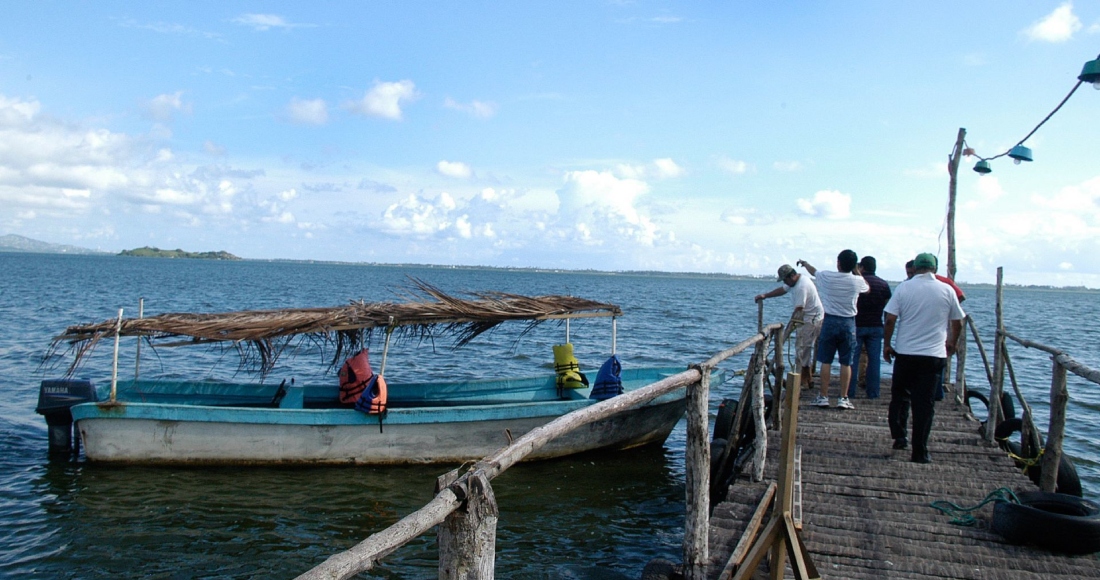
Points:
[597,516]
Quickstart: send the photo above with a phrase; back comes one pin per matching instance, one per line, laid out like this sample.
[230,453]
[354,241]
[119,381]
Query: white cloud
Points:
[828,204]
[288,194]
[425,217]
[1081,199]
[263,22]
[164,107]
[592,198]
[1065,266]
[787,166]
[384,100]
[663,168]
[307,111]
[454,169]
[16,112]
[667,168]
[1058,26]
[213,148]
[476,109]
[734,166]
[989,188]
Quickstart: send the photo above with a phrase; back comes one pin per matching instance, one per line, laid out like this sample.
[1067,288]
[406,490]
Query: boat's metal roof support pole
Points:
[114,363]
[137,357]
[386,347]
[614,329]
[566,331]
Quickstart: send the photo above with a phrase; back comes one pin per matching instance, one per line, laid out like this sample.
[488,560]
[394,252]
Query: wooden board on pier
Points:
[866,510]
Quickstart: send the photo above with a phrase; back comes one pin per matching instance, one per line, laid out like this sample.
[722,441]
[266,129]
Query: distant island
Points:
[16,243]
[148,252]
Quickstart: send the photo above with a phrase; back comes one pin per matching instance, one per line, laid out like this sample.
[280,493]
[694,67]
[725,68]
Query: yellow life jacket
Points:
[569,375]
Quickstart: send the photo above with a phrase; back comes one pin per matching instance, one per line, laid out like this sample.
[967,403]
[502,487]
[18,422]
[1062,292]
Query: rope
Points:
[1027,462]
[961,516]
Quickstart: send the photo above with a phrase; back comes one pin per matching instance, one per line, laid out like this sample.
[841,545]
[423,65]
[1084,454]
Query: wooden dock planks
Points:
[866,506]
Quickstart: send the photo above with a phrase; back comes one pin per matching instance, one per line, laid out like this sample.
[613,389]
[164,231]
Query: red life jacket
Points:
[354,376]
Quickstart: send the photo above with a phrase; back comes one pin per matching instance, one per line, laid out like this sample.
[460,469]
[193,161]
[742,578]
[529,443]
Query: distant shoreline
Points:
[622,273]
[18,244]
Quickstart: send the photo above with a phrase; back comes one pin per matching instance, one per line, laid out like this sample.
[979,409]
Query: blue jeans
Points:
[869,339]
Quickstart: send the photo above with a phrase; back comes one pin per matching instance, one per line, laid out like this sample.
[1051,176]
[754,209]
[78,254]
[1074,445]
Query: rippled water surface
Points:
[591,517]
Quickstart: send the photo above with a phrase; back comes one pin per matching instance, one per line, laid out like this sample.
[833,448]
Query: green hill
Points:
[148,252]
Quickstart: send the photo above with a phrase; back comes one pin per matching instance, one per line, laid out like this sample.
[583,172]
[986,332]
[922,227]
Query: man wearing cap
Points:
[807,315]
[839,291]
[928,318]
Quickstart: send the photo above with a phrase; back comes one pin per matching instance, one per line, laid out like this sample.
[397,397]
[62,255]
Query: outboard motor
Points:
[55,397]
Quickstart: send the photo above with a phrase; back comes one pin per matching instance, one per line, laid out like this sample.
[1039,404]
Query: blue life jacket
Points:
[609,381]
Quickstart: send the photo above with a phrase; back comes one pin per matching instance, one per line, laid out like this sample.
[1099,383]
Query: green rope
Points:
[961,516]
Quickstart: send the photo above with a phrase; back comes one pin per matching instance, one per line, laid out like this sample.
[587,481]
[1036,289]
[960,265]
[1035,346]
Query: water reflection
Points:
[277,522]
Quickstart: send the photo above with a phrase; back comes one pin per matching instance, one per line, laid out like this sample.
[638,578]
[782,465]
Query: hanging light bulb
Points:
[1091,73]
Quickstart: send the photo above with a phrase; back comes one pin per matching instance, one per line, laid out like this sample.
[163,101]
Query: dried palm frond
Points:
[262,335]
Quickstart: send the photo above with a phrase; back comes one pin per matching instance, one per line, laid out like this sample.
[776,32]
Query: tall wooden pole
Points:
[953,170]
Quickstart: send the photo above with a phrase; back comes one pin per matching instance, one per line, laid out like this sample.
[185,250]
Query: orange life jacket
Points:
[354,376]
[373,399]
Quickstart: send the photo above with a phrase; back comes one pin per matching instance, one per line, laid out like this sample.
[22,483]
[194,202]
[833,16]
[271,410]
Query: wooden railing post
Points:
[760,441]
[779,372]
[960,370]
[1052,456]
[995,414]
[467,537]
[697,477]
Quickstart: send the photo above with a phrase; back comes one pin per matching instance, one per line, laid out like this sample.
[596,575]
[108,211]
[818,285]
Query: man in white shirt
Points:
[808,314]
[927,315]
[838,291]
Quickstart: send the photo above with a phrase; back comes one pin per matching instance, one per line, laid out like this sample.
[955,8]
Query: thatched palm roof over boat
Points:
[264,333]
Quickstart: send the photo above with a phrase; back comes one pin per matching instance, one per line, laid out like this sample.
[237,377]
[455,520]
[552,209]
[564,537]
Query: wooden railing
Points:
[465,507]
[1031,444]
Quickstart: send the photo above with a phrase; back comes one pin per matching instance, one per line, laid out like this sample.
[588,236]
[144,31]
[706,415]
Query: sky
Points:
[726,137]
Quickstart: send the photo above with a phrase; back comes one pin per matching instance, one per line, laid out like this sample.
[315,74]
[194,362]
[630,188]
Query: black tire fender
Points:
[1008,407]
[1055,521]
[723,424]
[1069,483]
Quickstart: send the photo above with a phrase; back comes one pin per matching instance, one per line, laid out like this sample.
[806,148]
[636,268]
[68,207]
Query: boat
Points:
[143,421]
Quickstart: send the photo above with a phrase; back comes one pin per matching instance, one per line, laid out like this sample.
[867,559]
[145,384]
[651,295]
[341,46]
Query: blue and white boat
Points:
[213,422]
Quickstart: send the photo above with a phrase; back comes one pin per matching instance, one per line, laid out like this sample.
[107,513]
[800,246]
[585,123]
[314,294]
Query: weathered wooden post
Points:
[779,371]
[467,537]
[960,370]
[997,387]
[697,478]
[760,441]
[1052,456]
[760,316]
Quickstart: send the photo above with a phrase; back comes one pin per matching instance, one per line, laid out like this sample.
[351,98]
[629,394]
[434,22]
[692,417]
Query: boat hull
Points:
[172,433]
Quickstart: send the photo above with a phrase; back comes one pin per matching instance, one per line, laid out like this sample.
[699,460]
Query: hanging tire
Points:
[660,569]
[1008,407]
[1055,521]
[723,424]
[1069,483]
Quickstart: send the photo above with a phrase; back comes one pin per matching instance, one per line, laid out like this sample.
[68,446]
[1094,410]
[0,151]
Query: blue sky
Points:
[678,136]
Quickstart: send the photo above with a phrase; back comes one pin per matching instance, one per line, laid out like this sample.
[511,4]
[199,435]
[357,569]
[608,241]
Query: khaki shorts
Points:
[804,343]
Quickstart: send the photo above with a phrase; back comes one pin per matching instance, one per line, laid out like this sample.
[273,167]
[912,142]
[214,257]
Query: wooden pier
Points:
[865,506]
